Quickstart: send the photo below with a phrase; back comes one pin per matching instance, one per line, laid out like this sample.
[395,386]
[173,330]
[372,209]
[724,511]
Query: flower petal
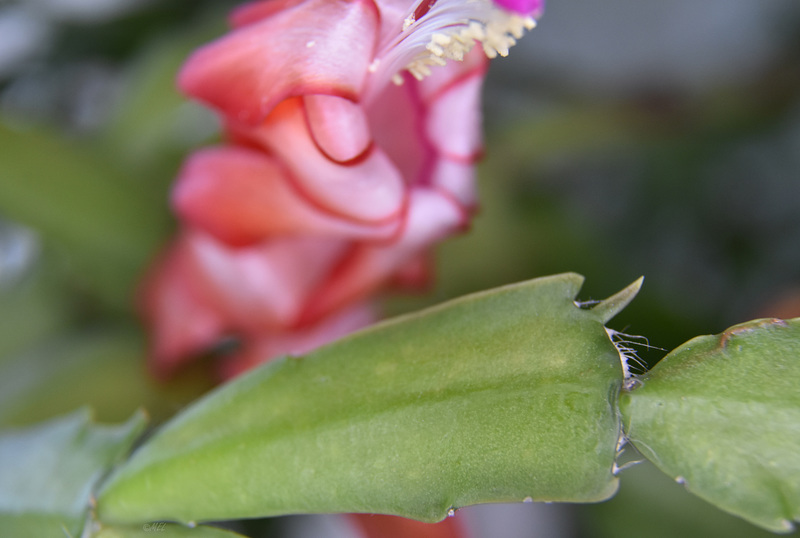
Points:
[396,119]
[415,276]
[442,78]
[380,526]
[339,126]
[432,216]
[255,11]
[181,323]
[263,287]
[458,180]
[242,196]
[292,52]
[367,190]
[454,119]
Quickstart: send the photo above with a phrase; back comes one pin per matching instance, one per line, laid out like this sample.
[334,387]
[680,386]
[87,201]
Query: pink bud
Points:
[523,7]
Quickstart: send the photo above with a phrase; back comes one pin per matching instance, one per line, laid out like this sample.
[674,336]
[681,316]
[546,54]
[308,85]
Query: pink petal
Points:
[339,126]
[396,119]
[432,216]
[380,526]
[255,11]
[181,323]
[270,345]
[242,196]
[263,287]
[458,179]
[318,46]
[442,78]
[367,190]
[392,14]
[415,276]
[454,119]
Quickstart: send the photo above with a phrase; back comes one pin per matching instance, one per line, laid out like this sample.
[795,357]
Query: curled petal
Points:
[432,216]
[367,190]
[181,323]
[294,342]
[263,287]
[339,126]
[397,123]
[242,196]
[296,51]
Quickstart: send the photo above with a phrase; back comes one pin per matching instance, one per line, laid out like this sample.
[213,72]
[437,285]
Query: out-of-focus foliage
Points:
[94,201]
[50,471]
[624,138]
[108,222]
[651,504]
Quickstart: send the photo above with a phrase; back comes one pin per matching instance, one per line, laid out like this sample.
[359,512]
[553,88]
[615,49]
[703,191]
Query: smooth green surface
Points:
[721,414]
[48,472]
[160,529]
[496,396]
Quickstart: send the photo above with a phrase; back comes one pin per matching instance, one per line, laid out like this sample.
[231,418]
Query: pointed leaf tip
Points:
[612,306]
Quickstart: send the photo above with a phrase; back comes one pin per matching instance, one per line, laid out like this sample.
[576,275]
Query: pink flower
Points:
[350,147]
[309,86]
[201,291]
[350,144]
[343,48]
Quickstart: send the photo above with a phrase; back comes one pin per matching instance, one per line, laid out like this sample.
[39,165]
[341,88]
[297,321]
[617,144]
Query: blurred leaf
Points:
[102,368]
[154,124]
[651,504]
[721,414]
[32,310]
[496,396]
[48,472]
[105,222]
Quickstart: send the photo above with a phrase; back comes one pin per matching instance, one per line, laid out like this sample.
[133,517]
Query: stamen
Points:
[435,31]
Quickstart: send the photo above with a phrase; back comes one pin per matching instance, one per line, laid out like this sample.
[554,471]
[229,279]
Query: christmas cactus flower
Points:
[202,291]
[342,115]
[343,48]
[351,132]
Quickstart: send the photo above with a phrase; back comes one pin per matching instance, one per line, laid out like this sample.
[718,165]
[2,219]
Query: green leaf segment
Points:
[505,395]
[48,472]
[721,414]
[509,395]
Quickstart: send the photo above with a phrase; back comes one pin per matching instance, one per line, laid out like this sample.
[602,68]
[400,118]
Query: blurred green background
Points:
[623,138]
